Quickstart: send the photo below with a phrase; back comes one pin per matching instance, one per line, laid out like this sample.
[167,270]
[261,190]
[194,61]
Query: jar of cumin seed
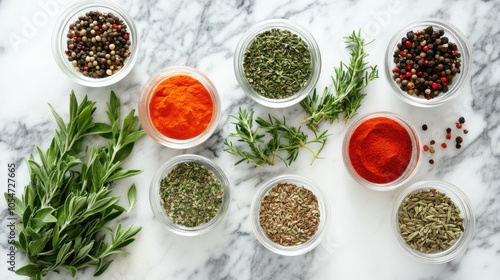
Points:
[450,196]
[299,215]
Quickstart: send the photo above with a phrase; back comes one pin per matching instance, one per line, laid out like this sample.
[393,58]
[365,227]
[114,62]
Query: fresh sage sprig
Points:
[278,137]
[65,209]
[347,82]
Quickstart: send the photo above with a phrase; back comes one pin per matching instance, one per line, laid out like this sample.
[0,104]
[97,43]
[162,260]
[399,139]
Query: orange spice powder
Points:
[181,107]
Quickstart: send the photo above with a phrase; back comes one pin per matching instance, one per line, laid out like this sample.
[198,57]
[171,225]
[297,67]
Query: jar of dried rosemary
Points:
[433,221]
[289,215]
[277,63]
[189,194]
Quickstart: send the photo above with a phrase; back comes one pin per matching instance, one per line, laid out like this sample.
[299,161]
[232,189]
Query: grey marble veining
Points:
[203,34]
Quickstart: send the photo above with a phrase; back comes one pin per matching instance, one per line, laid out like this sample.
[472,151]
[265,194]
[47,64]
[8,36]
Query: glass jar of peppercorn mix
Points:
[428,62]
[95,43]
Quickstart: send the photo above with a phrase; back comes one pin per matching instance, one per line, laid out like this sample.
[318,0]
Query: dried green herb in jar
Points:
[277,64]
[429,221]
[289,215]
[191,194]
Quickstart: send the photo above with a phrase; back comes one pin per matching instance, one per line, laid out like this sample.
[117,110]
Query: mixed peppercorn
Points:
[98,44]
[458,140]
[426,63]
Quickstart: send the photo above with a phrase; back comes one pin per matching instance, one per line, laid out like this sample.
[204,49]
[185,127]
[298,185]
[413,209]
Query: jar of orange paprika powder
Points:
[381,151]
[179,107]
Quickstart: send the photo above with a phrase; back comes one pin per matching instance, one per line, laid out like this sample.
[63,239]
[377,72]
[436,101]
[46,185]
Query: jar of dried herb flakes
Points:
[189,194]
[433,221]
[289,215]
[277,63]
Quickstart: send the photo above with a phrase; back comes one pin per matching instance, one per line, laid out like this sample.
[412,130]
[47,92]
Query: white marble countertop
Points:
[203,34]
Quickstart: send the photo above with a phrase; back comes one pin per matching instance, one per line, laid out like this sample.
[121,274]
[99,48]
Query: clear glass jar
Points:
[455,36]
[158,210]
[146,96]
[247,39]
[59,42]
[413,164]
[324,210]
[461,201]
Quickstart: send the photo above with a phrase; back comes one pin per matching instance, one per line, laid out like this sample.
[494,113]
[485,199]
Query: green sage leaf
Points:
[101,268]
[134,136]
[29,270]
[102,129]
[70,269]
[123,174]
[45,215]
[63,253]
[132,196]
[37,246]
[124,152]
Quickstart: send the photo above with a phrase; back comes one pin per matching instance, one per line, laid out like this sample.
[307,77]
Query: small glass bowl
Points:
[466,210]
[59,42]
[455,36]
[324,211]
[245,42]
[145,116]
[159,212]
[412,165]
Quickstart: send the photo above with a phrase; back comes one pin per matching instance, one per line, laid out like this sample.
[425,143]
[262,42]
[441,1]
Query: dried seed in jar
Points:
[289,214]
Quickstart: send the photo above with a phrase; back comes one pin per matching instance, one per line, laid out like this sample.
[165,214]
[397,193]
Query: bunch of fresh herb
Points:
[347,82]
[65,209]
[278,137]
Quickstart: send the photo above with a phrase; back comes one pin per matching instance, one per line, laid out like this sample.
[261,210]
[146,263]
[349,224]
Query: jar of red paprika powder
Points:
[179,107]
[381,151]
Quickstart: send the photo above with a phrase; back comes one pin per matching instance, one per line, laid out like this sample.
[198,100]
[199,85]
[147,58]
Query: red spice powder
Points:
[181,107]
[380,150]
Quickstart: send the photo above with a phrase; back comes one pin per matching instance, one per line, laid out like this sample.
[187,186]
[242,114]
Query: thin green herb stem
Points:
[348,82]
[263,148]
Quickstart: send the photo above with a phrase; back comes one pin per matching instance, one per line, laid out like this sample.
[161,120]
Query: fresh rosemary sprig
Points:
[263,148]
[67,204]
[348,82]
